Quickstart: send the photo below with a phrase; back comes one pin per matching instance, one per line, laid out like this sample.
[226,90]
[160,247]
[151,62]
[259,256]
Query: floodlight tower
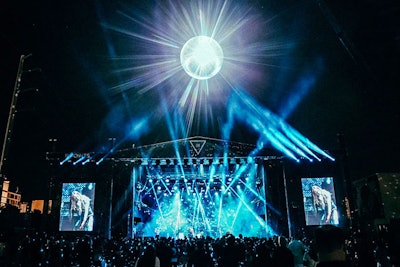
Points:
[11,114]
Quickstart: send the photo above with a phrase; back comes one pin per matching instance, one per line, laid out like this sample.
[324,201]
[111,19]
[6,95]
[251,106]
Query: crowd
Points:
[329,244]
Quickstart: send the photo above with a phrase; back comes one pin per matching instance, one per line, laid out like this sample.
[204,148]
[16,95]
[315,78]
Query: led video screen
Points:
[77,209]
[319,201]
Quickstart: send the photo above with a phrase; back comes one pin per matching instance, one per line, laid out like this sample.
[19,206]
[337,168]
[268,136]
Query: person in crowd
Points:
[81,212]
[310,258]
[262,256]
[84,248]
[297,247]
[381,254]
[323,202]
[75,249]
[330,244]
[201,256]
[282,256]
[164,251]
[148,258]
[228,252]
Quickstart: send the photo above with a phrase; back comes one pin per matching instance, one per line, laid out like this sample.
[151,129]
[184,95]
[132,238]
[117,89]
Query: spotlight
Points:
[68,157]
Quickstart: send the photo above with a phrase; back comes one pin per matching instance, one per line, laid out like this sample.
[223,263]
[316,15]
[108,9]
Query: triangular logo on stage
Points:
[197,145]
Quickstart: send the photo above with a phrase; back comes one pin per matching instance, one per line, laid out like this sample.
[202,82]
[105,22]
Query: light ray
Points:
[161,37]
[242,33]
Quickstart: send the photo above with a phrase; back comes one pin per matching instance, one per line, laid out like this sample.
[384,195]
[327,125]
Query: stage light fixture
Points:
[68,157]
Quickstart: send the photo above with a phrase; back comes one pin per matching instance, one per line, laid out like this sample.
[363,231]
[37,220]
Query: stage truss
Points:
[189,187]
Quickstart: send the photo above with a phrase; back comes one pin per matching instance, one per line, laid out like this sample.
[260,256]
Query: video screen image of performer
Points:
[81,212]
[324,205]
[319,201]
[76,211]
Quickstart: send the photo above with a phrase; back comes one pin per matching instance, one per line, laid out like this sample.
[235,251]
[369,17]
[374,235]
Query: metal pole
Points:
[110,211]
[112,139]
[11,114]
[133,202]
[287,200]
[265,193]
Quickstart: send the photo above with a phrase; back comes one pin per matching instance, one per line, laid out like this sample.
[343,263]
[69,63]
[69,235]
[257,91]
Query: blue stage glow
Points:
[300,90]
[136,128]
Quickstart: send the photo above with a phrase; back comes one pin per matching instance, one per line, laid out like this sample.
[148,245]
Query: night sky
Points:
[332,70]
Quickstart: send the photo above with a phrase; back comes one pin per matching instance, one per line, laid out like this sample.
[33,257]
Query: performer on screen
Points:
[323,201]
[81,212]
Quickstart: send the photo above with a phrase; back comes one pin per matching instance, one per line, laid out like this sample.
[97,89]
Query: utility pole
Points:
[11,114]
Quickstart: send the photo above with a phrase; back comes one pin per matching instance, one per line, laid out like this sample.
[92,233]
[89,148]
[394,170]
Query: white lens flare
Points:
[202,57]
